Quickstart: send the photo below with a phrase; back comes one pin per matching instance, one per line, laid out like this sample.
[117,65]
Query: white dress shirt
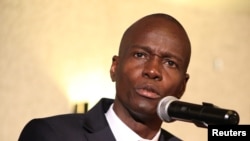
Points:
[121,131]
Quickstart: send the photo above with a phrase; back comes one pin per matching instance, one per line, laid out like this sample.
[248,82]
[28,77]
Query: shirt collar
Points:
[121,131]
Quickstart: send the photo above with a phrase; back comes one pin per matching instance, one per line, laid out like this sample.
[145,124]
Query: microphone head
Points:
[162,108]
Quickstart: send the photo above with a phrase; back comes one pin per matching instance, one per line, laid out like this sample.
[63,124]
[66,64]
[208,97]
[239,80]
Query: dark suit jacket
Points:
[91,126]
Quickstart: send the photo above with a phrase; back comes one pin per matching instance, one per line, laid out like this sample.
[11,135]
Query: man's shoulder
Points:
[59,117]
[103,104]
[76,119]
[167,136]
[58,121]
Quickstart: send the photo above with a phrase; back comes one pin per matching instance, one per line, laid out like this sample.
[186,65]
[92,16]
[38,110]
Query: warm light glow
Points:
[81,81]
[89,87]
[77,88]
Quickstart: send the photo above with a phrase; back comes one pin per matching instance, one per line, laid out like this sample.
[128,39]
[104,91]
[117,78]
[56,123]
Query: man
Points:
[152,63]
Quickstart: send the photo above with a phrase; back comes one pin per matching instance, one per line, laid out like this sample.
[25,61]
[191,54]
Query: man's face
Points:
[151,67]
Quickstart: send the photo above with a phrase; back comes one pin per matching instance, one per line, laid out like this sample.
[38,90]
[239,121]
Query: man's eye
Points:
[171,63]
[139,55]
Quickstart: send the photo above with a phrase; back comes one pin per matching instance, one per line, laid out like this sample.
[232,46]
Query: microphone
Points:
[170,109]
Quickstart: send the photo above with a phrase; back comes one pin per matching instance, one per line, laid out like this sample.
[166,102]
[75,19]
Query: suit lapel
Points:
[95,123]
[166,136]
[102,135]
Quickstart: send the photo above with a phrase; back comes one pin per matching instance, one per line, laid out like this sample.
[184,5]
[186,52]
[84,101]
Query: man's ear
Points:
[183,88]
[113,68]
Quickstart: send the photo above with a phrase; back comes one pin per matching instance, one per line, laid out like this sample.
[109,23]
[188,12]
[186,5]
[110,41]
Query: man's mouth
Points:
[148,92]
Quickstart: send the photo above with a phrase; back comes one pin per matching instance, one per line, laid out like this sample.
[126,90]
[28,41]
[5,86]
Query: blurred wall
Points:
[53,53]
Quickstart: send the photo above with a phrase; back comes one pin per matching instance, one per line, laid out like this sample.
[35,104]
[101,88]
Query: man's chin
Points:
[143,115]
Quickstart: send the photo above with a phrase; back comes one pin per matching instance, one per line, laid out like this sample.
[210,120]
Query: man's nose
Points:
[152,69]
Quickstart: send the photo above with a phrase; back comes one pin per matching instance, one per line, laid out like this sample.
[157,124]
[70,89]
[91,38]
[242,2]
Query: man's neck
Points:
[142,125]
